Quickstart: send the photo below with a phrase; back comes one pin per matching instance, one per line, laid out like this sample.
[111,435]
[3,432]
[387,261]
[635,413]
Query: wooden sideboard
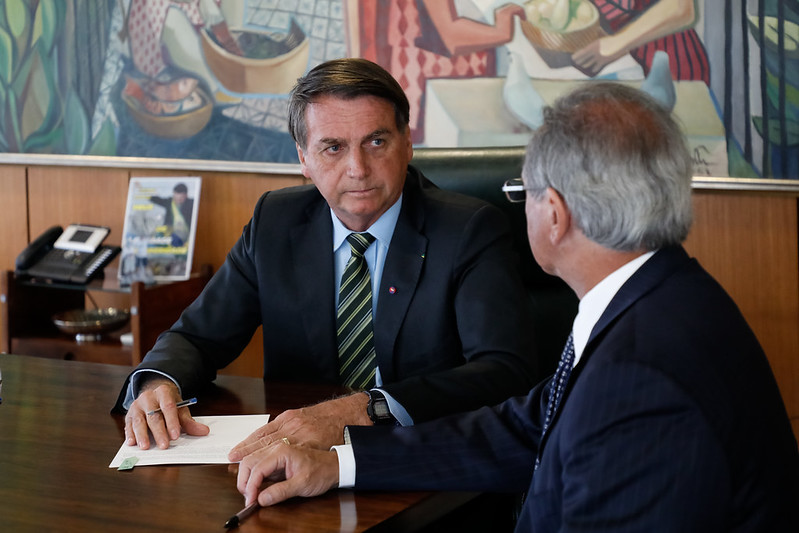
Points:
[26,324]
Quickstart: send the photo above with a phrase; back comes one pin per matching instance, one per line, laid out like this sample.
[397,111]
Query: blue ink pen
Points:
[184,403]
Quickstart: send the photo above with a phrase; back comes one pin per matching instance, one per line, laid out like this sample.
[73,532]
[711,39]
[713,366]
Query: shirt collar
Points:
[595,301]
[382,230]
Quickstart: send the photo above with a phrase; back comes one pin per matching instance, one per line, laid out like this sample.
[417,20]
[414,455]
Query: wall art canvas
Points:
[206,81]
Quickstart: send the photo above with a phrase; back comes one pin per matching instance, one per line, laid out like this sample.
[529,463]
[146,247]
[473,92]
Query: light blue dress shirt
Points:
[382,230]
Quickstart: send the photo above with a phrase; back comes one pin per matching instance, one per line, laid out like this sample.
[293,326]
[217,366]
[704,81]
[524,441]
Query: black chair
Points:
[480,172]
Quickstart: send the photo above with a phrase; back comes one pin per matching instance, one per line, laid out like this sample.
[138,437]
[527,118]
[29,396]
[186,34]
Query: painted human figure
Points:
[643,27]
[433,39]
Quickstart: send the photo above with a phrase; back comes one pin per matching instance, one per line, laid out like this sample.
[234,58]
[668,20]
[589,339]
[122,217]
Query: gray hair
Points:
[345,78]
[620,163]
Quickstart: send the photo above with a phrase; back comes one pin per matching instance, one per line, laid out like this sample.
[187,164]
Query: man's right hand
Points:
[166,424]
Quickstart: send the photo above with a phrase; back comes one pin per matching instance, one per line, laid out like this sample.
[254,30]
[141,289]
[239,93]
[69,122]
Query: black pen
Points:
[184,403]
[236,519]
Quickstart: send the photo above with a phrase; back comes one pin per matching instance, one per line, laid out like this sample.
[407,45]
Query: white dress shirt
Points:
[595,301]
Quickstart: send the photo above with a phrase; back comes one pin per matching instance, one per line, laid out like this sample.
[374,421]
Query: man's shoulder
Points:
[287,206]
[297,197]
[292,193]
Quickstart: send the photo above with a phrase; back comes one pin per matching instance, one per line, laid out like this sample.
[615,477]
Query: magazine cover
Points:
[159,229]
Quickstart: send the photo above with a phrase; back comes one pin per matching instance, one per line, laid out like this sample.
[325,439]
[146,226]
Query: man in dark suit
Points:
[177,213]
[446,325]
[663,415]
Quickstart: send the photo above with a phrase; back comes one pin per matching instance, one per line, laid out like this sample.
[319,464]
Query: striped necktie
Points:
[558,384]
[356,347]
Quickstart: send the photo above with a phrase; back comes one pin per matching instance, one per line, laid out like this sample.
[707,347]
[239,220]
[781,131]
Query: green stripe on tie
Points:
[356,347]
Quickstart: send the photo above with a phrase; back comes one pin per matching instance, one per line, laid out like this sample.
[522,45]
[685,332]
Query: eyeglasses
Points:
[514,190]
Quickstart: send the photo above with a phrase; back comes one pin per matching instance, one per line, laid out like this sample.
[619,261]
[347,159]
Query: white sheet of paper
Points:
[225,432]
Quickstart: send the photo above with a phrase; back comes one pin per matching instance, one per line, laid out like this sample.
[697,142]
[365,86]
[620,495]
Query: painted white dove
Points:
[521,99]
[658,83]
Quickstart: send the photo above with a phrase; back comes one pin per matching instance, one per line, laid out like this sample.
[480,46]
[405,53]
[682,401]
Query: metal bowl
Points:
[90,324]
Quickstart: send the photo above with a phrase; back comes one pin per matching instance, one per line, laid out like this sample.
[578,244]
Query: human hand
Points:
[506,12]
[287,471]
[503,20]
[166,424]
[319,426]
[592,58]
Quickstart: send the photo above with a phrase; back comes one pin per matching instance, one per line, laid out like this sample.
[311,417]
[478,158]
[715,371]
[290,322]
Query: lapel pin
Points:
[392,290]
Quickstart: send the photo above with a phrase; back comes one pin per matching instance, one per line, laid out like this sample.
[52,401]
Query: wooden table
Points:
[57,438]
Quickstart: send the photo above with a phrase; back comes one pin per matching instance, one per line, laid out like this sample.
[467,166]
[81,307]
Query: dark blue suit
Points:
[451,330]
[672,421]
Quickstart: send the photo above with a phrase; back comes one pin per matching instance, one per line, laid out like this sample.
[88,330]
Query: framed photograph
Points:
[159,229]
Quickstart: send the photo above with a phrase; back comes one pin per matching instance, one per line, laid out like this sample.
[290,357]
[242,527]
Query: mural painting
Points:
[208,79]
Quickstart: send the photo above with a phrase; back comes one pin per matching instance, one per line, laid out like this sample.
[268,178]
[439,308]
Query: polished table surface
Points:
[57,438]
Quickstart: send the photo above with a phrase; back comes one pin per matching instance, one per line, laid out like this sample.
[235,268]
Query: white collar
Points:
[595,301]
[382,230]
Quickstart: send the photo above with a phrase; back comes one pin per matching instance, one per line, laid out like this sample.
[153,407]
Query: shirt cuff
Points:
[397,410]
[134,385]
[346,466]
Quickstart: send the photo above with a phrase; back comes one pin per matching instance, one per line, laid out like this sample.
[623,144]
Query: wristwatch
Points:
[377,409]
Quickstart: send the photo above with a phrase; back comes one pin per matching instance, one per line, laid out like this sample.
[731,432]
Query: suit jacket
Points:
[452,323]
[186,209]
[671,421]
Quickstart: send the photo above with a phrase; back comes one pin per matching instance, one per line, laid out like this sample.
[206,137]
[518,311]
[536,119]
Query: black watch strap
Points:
[378,410]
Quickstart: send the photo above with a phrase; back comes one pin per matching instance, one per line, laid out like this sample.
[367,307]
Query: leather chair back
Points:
[480,172]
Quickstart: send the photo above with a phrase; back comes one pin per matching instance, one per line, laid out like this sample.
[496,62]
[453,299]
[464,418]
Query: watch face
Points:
[378,410]
[381,409]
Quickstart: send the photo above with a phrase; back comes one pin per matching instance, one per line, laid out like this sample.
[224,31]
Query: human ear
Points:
[303,166]
[559,215]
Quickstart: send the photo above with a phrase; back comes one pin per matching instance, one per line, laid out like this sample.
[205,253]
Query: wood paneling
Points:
[14,213]
[750,244]
[66,195]
[13,219]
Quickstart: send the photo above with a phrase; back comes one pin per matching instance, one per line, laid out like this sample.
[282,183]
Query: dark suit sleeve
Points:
[491,449]
[166,203]
[214,329]
[636,454]
[491,327]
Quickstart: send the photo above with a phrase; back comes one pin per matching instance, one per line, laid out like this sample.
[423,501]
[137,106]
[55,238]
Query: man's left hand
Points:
[276,473]
[319,426]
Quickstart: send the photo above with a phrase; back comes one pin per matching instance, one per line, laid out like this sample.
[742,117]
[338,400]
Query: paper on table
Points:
[225,432]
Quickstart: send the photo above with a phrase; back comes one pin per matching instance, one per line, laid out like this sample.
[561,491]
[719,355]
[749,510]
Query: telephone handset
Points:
[74,255]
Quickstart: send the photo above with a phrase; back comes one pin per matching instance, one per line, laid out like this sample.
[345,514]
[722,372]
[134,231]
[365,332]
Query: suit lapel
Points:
[650,275]
[401,274]
[312,254]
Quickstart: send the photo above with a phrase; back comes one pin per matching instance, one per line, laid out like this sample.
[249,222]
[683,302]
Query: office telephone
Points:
[73,255]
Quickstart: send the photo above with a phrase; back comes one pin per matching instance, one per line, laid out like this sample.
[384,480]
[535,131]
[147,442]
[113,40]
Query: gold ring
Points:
[284,439]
